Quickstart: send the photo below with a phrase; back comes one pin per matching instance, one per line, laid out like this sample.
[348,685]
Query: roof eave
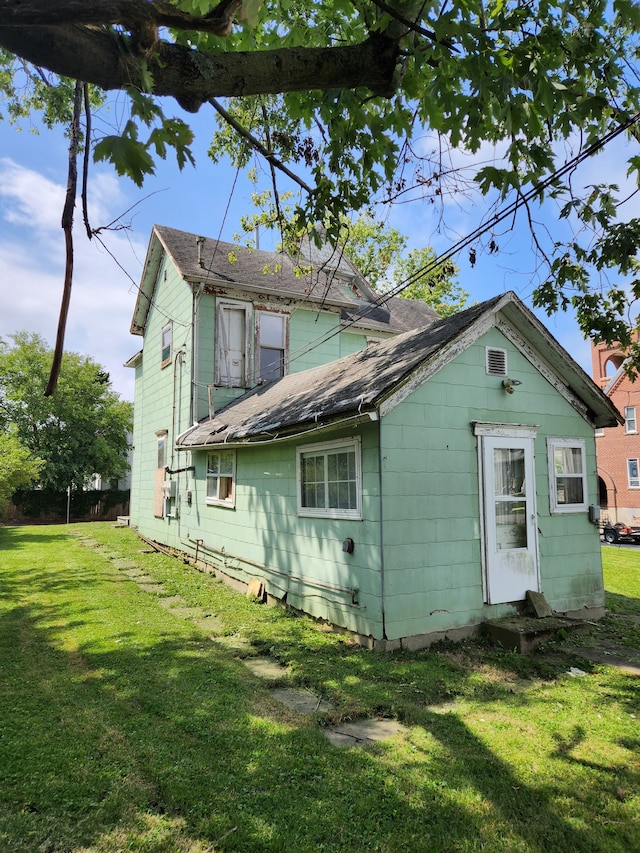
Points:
[298,430]
[148,281]
[602,411]
[265,291]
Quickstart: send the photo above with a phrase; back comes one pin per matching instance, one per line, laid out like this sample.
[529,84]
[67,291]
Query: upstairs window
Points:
[221,474]
[630,419]
[496,361]
[232,344]
[330,480]
[272,345]
[167,341]
[567,475]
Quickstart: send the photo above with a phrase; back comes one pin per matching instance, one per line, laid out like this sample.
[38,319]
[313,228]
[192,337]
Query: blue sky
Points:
[33,170]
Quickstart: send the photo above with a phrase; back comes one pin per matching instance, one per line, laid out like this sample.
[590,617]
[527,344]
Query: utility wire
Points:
[499,216]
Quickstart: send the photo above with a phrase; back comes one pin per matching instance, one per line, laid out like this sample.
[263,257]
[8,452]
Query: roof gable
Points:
[331,283]
[214,262]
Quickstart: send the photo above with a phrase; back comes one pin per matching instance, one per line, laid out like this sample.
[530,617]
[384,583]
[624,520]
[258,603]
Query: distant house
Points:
[401,476]
[618,447]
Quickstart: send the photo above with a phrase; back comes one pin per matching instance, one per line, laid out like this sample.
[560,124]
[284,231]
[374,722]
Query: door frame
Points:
[483,430]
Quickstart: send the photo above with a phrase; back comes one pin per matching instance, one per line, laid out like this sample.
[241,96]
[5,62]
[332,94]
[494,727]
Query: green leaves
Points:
[18,466]
[129,155]
[538,82]
[81,430]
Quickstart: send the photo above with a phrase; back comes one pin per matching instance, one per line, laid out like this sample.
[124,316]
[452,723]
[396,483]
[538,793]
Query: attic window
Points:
[496,361]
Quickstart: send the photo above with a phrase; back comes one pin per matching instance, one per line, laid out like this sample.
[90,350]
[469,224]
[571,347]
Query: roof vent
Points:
[496,361]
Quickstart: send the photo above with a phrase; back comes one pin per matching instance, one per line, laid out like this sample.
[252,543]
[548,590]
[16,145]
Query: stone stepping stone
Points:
[266,668]
[189,613]
[234,644]
[302,701]
[363,732]
[210,624]
[172,601]
[155,588]
[135,574]
[125,564]
[88,543]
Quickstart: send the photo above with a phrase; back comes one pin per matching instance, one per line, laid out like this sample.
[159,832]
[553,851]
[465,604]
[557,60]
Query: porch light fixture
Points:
[509,385]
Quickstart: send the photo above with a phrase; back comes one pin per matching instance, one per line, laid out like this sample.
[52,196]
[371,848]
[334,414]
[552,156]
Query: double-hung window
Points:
[567,475]
[330,479]
[221,475]
[630,419]
[633,473]
[272,345]
[167,341]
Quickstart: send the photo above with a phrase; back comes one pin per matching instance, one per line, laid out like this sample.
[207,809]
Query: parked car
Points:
[620,533]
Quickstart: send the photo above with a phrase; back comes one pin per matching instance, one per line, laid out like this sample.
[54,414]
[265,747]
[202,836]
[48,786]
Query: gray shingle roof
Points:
[230,264]
[399,315]
[350,386]
[221,264]
[358,383]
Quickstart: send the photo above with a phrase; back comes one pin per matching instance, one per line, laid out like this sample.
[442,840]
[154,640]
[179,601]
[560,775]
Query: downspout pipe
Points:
[193,393]
[381,528]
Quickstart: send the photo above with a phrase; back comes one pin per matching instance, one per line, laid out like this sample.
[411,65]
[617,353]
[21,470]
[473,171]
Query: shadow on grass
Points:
[622,604]
[122,728]
[19,537]
[171,743]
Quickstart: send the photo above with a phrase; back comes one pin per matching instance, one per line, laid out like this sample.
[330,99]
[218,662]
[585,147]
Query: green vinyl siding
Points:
[314,338]
[425,552]
[432,530]
[161,398]
[298,557]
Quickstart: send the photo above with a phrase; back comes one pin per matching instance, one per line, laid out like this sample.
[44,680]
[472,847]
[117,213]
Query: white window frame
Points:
[552,445]
[162,445]
[166,342]
[488,354]
[217,500]
[630,423]
[326,449]
[221,376]
[634,482]
[284,348]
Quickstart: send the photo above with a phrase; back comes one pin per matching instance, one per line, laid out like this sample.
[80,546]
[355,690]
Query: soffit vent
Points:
[496,361]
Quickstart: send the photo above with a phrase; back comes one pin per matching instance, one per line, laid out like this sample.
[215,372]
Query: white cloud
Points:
[32,259]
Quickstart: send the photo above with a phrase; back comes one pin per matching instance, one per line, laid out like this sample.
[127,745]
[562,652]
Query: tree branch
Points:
[130,13]
[257,145]
[108,60]
[67,225]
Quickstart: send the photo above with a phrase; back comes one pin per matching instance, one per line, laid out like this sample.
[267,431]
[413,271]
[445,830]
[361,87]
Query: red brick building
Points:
[618,448]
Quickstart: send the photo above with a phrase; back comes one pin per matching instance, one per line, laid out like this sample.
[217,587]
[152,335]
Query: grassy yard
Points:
[124,727]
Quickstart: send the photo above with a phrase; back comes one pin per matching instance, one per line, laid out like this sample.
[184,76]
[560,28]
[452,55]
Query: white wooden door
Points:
[510,520]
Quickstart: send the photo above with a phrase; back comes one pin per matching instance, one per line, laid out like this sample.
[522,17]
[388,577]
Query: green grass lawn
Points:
[124,727]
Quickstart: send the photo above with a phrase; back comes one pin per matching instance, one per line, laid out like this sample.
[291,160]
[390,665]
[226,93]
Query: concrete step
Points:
[523,633]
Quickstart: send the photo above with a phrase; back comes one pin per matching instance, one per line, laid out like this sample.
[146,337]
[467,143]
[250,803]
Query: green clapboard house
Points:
[398,475]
